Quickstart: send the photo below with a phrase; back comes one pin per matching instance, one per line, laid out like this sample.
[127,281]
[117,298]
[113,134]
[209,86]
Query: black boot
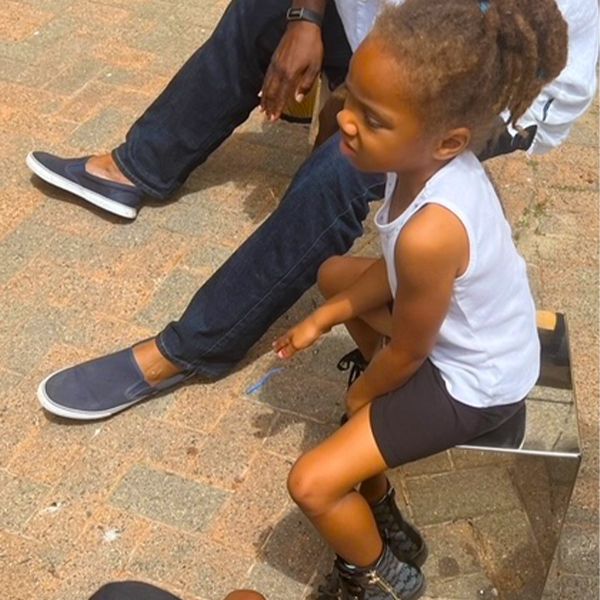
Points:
[403,539]
[388,579]
[333,586]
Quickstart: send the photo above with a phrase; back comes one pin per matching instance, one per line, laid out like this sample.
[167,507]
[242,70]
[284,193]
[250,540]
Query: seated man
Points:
[320,215]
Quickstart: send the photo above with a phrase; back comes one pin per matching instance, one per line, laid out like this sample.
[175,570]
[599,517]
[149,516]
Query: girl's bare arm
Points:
[431,252]
[371,290]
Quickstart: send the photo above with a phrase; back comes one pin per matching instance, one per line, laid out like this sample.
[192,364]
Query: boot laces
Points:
[355,362]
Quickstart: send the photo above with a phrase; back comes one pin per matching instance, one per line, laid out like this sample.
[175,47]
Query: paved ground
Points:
[188,491]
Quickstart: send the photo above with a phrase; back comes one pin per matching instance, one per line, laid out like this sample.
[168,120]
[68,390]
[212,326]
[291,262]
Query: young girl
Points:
[424,89]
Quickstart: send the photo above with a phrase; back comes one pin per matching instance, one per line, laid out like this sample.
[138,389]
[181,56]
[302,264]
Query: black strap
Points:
[304,14]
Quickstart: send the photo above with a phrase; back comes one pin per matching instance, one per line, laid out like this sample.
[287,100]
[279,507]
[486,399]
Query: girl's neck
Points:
[409,186]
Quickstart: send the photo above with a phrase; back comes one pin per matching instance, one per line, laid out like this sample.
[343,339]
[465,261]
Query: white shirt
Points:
[561,102]
[487,349]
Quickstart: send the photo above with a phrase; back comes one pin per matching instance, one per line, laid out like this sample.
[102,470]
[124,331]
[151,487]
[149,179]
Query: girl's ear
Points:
[453,143]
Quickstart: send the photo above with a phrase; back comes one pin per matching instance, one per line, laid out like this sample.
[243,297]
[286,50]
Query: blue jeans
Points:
[320,215]
[214,92]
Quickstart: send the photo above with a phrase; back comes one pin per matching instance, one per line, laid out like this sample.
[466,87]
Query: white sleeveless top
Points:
[488,349]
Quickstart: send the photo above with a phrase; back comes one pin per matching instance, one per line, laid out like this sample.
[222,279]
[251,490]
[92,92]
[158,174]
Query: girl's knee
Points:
[306,487]
[327,279]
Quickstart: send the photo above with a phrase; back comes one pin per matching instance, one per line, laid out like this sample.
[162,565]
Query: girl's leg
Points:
[340,272]
[322,483]
[336,274]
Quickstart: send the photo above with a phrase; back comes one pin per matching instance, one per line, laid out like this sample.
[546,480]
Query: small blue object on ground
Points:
[262,382]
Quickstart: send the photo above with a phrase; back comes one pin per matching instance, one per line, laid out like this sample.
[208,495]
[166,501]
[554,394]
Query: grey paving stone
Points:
[21,246]
[101,132]
[19,499]
[19,417]
[207,257]
[22,355]
[469,587]
[75,76]
[512,558]
[27,74]
[8,381]
[293,547]
[292,435]
[161,444]
[217,570]
[453,551]
[199,405]
[170,300]
[206,218]
[131,234]
[93,475]
[231,446]
[579,550]
[462,494]
[581,588]
[52,445]
[274,584]
[58,525]
[307,396]
[168,498]
[110,538]
[160,38]
[175,567]
[25,574]
[250,514]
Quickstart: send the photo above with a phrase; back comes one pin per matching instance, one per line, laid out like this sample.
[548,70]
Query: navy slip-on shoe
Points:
[69,174]
[101,387]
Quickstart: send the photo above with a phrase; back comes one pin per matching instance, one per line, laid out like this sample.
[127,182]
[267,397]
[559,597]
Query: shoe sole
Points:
[115,208]
[420,591]
[73,413]
[421,556]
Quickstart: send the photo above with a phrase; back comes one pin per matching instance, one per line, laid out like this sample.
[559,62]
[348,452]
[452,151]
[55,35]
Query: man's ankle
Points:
[153,365]
[105,167]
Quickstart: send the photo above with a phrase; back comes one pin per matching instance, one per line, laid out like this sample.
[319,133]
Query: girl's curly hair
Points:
[469,60]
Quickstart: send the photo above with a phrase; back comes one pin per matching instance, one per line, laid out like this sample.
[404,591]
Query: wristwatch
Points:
[304,14]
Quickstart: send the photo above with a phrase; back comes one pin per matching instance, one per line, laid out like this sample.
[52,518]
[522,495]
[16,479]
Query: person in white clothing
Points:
[450,293]
[552,114]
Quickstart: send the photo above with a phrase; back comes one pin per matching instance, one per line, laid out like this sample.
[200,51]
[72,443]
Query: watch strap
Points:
[304,14]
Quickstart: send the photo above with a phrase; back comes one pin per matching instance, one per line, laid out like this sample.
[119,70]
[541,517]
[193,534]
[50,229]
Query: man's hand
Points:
[298,338]
[294,67]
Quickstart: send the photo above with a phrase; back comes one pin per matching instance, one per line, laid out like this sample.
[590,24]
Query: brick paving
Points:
[188,491]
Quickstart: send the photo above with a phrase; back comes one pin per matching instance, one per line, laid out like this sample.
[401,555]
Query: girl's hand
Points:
[298,338]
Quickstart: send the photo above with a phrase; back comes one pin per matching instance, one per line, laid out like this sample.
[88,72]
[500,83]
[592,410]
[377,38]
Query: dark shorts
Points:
[421,418]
